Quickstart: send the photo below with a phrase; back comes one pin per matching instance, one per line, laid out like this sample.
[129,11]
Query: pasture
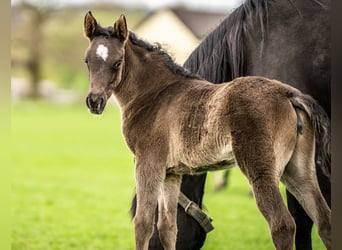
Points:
[73,181]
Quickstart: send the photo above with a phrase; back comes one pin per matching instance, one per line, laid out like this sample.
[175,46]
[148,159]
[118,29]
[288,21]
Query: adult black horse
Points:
[288,40]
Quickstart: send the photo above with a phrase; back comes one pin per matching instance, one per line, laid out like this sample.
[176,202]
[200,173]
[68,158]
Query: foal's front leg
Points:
[149,181]
[167,211]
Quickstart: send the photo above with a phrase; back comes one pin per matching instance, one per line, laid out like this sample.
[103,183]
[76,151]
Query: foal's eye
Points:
[86,60]
[117,64]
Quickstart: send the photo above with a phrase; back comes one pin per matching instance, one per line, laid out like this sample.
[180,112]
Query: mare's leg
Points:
[300,179]
[221,181]
[167,211]
[190,235]
[149,180]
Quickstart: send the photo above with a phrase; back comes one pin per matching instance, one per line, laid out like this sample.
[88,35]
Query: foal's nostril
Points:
[91,100]
[98,105]
[95,103]
[88,102]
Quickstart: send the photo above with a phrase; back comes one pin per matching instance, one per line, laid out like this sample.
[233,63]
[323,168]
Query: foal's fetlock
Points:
[143,232]
[168,236]
[325,234]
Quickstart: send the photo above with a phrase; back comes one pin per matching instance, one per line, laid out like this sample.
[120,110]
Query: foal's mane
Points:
[221,56]
[157,49]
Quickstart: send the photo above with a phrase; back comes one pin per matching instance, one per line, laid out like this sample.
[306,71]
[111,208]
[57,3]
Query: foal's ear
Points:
[90,25]
[120,28]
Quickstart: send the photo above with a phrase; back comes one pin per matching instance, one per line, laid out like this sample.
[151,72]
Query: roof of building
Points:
[200,23]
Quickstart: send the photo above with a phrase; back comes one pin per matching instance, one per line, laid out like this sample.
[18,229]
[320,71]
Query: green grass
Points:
[73,180]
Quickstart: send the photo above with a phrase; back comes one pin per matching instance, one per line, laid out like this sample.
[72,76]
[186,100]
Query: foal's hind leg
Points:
[257,161]
[300,179]
[167,211]
[303,221]
[271,205]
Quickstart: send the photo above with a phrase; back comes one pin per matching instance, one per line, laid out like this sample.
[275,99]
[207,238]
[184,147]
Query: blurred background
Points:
[48,43]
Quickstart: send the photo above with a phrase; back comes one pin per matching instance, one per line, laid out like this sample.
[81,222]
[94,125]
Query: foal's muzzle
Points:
[96,103]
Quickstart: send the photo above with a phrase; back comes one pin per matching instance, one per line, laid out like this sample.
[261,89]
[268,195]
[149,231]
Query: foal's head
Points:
[104,58]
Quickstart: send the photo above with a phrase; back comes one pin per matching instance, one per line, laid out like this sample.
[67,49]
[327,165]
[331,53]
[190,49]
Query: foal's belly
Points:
[199,164]
[181,168]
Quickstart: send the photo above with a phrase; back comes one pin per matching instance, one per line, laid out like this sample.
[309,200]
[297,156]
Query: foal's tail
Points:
[321,124]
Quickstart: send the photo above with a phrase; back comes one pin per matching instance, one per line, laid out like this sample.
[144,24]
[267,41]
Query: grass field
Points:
[72,184]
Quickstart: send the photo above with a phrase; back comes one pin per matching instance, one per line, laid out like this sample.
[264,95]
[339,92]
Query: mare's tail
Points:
[321,124]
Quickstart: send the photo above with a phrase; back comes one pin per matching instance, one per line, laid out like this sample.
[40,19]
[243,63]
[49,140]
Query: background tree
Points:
[28,33]
[48,42]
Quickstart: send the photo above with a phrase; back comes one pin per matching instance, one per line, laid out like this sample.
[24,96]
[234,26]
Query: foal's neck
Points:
[145,74]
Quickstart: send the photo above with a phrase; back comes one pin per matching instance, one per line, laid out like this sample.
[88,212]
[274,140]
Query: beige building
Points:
[178,30]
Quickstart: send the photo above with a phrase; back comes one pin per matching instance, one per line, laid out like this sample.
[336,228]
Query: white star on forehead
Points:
[102,51]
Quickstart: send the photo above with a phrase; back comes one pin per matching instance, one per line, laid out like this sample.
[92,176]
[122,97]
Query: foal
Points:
[175,123]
